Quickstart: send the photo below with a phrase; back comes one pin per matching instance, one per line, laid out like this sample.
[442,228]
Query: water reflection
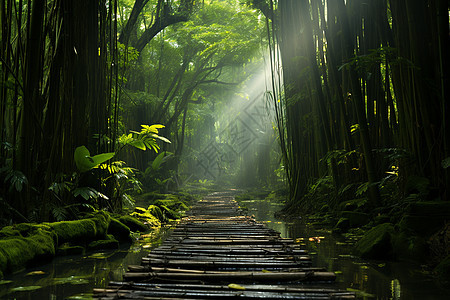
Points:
[75,277]
[369,279]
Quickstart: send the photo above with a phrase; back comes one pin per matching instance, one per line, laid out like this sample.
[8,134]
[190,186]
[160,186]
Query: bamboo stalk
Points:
[232,248]
[226,241]
[196,294]
[254,287]
[229,254]
[229,258]
[235,235]
[158,293]
[233,276]
[224,264]
[140,268]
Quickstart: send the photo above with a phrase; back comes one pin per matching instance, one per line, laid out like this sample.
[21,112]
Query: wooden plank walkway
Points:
[217,252]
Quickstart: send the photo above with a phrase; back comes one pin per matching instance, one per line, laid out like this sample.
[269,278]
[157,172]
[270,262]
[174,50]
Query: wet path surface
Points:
[217,252]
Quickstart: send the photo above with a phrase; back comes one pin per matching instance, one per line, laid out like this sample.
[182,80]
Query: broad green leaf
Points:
[71,280]
[26,288]
[138,144]
[101,158]
[85,162]
[158,160]
[86,193]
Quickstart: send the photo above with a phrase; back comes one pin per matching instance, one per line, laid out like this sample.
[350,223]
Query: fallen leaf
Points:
[36,273]
[236,286]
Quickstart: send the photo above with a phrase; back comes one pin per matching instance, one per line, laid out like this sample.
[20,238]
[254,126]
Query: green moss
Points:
[43,244]
[172,202]
[376,243]
[133,223]
[22,251]
[8,231]
[169,213]
[101,220]
[17,254]
[119,230]
[3,261]
[147,219]
[74,231]
[156,211]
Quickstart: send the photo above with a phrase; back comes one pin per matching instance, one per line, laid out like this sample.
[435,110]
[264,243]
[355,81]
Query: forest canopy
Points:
[353,95]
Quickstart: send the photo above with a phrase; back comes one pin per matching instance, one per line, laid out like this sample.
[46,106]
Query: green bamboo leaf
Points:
[161,138]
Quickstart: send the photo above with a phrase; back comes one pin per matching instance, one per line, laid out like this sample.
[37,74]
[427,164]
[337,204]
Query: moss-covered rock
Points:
[172,202]
[3,261]
[101,220]
[169,213]
[70,250]
[355,218]
[119,230]
[156,211]
[22,251]
[376,243]
[16,252]
[443,268]
[8,231]
[133,223]
[74,231]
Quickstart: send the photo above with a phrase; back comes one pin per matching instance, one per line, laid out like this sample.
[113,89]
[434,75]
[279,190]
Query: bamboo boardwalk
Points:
[217,252]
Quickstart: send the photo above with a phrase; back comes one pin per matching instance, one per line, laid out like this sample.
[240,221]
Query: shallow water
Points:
[75,277]
[369,279]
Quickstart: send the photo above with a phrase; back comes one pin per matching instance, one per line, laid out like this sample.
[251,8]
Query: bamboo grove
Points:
[62,66]
[359,93]
[82,77]
[364,108]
